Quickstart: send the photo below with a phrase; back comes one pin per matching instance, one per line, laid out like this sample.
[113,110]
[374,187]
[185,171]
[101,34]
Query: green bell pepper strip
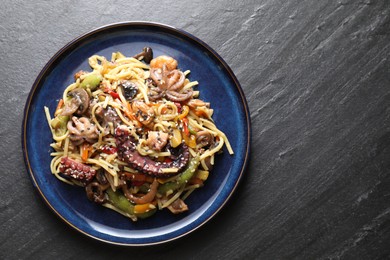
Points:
[91,81]
[119,201]
[191,130]
[183,178]
[59,124]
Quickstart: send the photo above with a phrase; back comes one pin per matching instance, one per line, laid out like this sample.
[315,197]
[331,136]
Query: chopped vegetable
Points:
[185,126]
[191,130]
[91,81]
[196,180]
[85,149]
[178,105]
[59,124]
[183,178]
[176,138]
[108,149]
[60,104]
[143,208]
[201,113]
[130,114]
[112,127]
[189,140]
[203,175]
[138,177]
[184,112]
[113,94]
[120,201]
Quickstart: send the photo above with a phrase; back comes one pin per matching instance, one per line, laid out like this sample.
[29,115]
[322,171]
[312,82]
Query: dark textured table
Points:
[316,75]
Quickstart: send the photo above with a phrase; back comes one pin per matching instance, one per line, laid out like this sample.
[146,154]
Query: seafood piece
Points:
[148,197]
[194,103]
[179,97]
[78,103]
[76,170]
[81,129]
[95,192]
[106,116]
[158,62]
[143,113]
[157,140]
[168,79]
[204,138]
[128,153]
[169,84]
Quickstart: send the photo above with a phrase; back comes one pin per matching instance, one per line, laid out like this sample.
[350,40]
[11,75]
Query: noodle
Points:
[117,95]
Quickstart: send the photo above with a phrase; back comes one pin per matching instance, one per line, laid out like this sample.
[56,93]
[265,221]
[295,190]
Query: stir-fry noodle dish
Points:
[135,134]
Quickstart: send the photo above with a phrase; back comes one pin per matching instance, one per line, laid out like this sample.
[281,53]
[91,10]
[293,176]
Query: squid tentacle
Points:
[127,152]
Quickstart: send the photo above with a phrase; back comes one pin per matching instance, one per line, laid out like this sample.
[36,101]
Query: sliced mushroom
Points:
[129,89]
[204,138]
[147,54]
[70,107]
[78,103]
[107,116]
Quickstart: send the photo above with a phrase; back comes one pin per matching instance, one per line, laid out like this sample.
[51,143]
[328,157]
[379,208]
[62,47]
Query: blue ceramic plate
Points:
[217,85]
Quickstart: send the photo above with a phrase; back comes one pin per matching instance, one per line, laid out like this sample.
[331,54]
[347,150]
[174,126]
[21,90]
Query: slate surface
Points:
[316,76]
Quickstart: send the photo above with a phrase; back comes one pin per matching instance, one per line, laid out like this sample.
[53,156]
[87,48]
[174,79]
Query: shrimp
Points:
[143,112]
[158,62]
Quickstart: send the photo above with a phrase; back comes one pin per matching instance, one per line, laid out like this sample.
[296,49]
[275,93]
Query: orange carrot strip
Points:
[196,180]
[85,148]
[60,104]
[130,114]
[142,208]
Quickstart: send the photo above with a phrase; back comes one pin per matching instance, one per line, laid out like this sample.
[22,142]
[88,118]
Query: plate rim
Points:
[130,24]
